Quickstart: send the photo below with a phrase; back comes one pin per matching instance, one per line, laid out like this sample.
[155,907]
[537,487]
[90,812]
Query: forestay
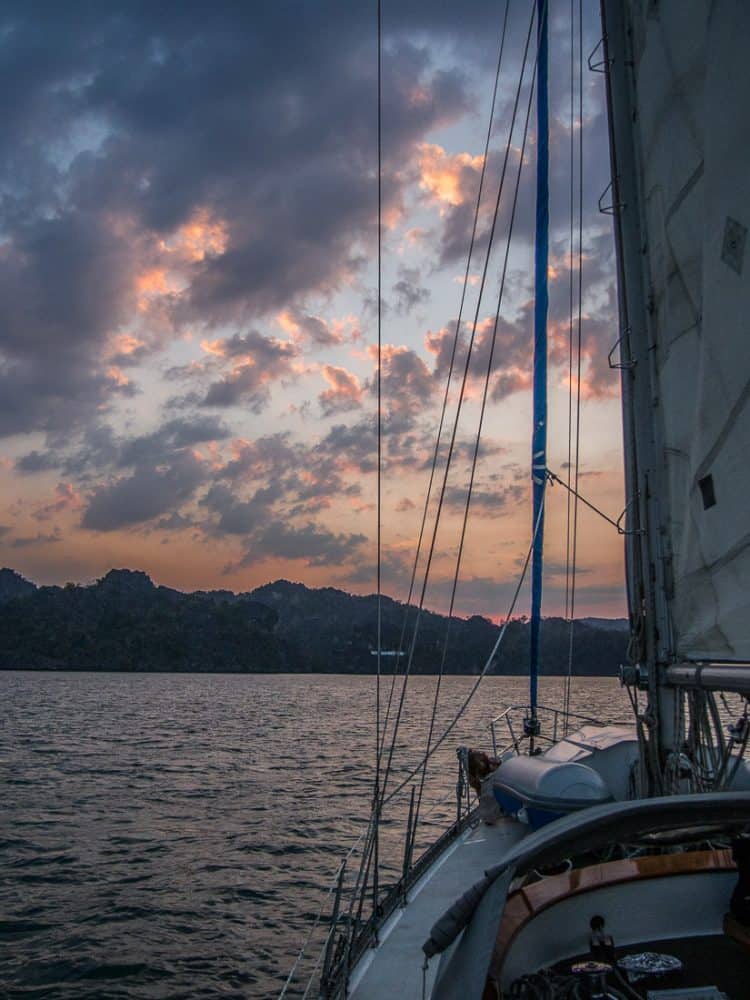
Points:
[692,132]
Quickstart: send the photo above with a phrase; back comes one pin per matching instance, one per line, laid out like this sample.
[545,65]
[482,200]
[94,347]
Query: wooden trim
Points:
[526,903]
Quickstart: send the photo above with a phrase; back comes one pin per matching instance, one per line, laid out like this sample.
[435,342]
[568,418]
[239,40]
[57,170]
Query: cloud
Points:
[511,360]
[352,446]
[257,362]
[65,498]
[407,386]
[302,326]
[448,180]
[238,517]
[489,501]
[409,293]
[317,546]
[311,543]
[149,492]
[271,454]
[37,461]
[162,172]
[345,392]
[26,541]
[172,436]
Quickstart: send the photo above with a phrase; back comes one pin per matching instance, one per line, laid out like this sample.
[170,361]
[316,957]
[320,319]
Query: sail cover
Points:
[691,65]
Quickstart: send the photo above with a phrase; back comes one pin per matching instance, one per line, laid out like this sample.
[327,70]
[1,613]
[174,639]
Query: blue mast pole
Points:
[539,437]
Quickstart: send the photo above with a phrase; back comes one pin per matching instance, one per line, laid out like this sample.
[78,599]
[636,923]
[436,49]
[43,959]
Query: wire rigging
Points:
[478,437]
[451,448]
[454,349]
[363,874]
[480,677]
[376,790]
[579,318]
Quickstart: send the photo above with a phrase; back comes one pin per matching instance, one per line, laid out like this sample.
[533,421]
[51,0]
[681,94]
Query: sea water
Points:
[173,835]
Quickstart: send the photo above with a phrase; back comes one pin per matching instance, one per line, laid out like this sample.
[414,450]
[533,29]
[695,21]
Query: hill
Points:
[125,622]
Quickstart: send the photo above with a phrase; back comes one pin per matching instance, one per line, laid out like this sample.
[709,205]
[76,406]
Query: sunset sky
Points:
[188,288]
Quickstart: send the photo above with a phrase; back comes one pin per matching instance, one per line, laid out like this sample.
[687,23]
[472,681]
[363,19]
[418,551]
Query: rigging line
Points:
[488,663]
[381,740]
[312,929]
[566,698]
[437,804]
[376,790]
[578,345]
[568,532]
[478,437]
[451,366]
[555,478]
[570,307]
[460,400]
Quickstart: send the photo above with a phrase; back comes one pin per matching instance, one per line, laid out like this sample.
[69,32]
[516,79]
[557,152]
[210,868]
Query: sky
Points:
[188,296]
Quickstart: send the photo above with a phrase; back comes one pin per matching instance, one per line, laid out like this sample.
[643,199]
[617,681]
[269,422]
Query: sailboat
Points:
[617,860]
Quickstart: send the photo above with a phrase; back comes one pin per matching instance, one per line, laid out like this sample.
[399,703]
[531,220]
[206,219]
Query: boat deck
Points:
[394,968]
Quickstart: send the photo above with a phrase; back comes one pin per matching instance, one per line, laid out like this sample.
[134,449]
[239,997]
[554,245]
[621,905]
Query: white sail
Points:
[692,135]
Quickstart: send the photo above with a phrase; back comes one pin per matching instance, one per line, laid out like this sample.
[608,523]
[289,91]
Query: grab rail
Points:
[558,714]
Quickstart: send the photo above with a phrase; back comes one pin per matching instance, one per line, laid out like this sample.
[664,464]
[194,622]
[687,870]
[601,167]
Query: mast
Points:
[539,435]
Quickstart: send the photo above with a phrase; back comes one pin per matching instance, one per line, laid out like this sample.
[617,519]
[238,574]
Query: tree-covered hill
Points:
[125,622]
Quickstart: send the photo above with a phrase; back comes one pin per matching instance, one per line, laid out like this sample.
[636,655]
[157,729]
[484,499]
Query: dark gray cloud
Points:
[26,541]
[408,388]
[489,500]
[318,332]
[37,461]
[171,437]
[351,445]
[272,454]
[408,291]
[149,492]
[254,361]
[312,543]
[100,448]
[174,522]
[241,517]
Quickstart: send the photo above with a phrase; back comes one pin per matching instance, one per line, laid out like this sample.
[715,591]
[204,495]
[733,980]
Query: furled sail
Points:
[691,130]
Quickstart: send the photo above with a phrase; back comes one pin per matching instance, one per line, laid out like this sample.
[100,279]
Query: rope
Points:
[556,479]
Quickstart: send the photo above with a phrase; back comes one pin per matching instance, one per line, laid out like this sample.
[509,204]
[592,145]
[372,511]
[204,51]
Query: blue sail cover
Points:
[539,436]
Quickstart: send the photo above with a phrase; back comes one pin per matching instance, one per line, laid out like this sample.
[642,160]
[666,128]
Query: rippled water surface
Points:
[171,835]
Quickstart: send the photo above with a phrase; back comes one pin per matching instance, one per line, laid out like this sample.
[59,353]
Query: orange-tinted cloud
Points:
[302,326]
[448,180]
[202,236]
[345,392]
[125,346]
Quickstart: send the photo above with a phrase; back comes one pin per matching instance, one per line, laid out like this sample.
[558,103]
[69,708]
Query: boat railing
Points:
[342,930]
[508,733]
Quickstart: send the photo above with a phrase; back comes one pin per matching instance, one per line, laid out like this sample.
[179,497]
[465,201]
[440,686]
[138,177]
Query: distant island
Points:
[125,622]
